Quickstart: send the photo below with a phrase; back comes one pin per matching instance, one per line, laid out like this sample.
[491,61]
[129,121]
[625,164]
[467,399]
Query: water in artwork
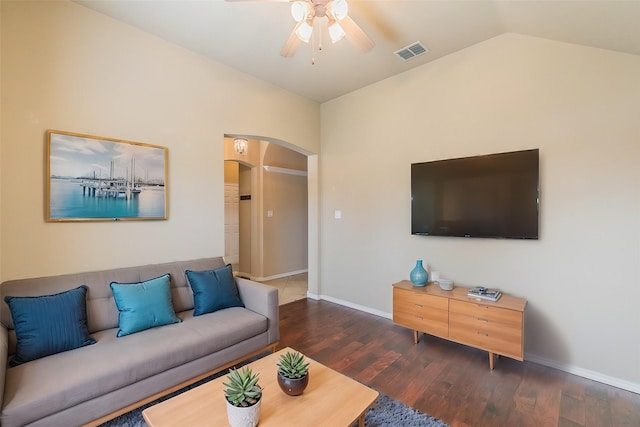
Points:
[77,198]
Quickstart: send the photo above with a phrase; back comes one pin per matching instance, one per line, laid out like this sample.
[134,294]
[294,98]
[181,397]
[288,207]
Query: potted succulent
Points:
[293,373]
[244,396]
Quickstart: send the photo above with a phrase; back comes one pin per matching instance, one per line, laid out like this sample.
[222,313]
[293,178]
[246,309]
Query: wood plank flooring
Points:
[447,380]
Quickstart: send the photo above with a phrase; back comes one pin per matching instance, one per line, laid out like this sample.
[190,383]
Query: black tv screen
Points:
[493,196]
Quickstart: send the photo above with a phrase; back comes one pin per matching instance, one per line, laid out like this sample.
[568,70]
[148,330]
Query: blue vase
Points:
[419,275]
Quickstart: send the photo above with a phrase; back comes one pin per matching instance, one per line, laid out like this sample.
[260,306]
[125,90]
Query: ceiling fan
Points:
[339,24]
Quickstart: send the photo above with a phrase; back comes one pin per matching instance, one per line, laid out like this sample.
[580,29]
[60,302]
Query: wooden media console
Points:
[496,327]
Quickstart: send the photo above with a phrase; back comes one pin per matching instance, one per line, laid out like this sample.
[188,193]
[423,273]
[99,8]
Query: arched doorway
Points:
[266,215]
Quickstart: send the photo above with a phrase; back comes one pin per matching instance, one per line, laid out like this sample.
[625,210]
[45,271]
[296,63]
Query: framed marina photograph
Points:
[92,178]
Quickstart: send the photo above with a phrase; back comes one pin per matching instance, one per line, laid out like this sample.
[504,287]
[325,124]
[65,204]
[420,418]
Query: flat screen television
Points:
[491,196]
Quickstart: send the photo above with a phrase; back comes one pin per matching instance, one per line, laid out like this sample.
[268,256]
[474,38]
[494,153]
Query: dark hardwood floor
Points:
[447,380]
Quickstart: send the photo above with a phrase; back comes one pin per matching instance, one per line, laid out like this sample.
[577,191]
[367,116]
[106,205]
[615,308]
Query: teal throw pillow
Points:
[213,290]
[49,324]
[143,305]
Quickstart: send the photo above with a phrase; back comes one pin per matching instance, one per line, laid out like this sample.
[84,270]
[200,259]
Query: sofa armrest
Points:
[4,357]
[262,299]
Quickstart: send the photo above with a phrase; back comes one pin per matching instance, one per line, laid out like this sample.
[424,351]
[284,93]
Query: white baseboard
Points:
[278,276]
[350,305]
[585,373]
[575,370]
[313,296]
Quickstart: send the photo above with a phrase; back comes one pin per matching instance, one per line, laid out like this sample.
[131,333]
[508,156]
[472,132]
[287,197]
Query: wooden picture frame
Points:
[93,178]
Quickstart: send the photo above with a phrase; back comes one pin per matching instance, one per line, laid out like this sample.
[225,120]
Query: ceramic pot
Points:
[293,387]
[243,416]
[418,275]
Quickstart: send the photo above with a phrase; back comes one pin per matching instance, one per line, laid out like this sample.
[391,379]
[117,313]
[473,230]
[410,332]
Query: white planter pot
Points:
[243,417]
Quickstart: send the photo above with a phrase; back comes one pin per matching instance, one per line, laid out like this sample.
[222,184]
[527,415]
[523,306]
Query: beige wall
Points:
[231,173]
[285,196]
[1,133]
[69,68]
[580,107]
[283,157]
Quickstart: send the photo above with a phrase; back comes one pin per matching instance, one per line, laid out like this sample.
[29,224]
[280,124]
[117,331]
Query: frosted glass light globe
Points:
[304,32]
[340,9]
[336,33]
[299,10]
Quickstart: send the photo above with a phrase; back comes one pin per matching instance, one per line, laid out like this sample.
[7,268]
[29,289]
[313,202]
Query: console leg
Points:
[415,337]
[491,360]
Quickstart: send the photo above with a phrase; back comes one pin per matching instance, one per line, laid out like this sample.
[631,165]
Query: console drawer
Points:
[409,300]
[486,334]
[421,312]
[486,312]
[434,322]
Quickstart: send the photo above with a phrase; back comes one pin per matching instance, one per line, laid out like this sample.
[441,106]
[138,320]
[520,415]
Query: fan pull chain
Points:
[313,43]
[316,36]
[313,60]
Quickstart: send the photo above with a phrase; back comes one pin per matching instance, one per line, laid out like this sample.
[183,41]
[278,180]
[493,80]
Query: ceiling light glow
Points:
[299,10]
[340,9]
[304,31]
[336,33]
[240,146]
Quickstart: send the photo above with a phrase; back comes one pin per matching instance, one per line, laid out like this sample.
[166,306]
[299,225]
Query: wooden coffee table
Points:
[330,399]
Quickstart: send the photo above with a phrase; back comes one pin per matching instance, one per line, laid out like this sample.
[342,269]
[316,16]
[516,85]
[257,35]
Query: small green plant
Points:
[242,387]
[292,365]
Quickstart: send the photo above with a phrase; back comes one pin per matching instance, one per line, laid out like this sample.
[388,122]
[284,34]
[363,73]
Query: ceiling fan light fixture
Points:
[299,10]
[339,9]
[336,32]
[304,31]
[339,25]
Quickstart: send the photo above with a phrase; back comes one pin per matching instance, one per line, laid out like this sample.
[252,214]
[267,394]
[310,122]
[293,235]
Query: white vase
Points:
[243,417]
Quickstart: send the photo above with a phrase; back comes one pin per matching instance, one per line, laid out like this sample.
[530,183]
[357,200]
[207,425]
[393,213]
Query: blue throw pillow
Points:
[213,290]
[49,324]
[143,305]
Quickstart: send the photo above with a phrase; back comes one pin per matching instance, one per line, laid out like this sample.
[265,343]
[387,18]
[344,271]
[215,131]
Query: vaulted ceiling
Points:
[248,35]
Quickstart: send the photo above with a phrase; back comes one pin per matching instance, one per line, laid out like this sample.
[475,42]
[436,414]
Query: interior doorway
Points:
[232,224]
[245,221]
[266,216]
[238,217]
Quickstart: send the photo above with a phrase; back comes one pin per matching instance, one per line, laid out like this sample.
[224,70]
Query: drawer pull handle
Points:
[483,334]
[483,320]
[419,306]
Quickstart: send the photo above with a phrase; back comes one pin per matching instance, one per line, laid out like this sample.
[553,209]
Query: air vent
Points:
[411,51]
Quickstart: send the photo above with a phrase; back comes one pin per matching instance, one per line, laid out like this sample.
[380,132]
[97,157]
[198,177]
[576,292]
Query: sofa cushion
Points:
[213,290]
[49,324]
[102,312]
[51,384]
[143,305]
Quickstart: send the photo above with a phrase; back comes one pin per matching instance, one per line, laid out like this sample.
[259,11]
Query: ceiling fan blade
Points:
[292,43]
[356,35]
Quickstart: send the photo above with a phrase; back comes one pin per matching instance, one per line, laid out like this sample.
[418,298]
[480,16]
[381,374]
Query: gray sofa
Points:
[94,383]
